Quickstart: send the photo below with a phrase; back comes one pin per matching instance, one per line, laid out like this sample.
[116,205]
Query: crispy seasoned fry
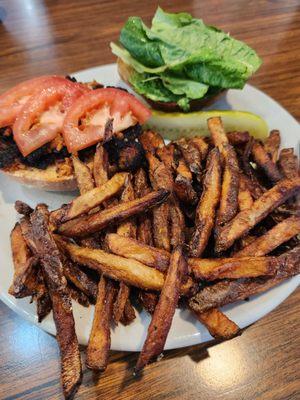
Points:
[288,163]
[130,248]
[218,325]
[191,155]
[128,315]
[151,141]
[100,166]
[177,231]
[120,303]
[148,300]
[80,279]
[162,318]
[272,144]
[23,208]
[61,302]
[85,225]
[83,175]
[183,186]
[230,187]
[99,341]
[218,134]
[166,154]
[247,219]
[237,138]
[279,234]
[263,160]
[43,302]
[78,296]
[127,228]
[245,199]
[201,145]
[122,269]
[230,291]
[23,261]
[233,268]
[89,200]
[207,205]
[160,177]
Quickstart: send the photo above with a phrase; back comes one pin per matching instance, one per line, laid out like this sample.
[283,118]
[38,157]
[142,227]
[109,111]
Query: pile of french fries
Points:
[201,223]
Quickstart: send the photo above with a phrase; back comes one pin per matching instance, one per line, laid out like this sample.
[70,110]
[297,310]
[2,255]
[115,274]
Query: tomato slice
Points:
[85,122]
[12,101]
[41,117]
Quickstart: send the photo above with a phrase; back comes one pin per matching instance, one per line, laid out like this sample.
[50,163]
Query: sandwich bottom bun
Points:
[125,71]
[47,179]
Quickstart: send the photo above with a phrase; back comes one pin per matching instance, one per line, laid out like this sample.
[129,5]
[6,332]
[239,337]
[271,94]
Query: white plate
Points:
[185,329]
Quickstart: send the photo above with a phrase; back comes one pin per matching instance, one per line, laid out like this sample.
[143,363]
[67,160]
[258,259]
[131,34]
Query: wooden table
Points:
[42,37]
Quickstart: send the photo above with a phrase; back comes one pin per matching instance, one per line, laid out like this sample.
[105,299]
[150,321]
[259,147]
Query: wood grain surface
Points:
[41,37]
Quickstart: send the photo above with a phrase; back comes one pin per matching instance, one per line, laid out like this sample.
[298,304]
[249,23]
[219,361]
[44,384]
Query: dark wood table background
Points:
[61,36]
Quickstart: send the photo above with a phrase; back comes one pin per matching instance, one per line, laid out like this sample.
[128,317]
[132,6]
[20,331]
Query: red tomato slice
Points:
[85,122]
[12,101]
[41,118]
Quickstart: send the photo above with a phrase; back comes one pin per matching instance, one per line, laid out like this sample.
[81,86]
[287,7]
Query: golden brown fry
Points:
[205,214]
[119,268]
[120,303]
[151,141]
[100,166]
[218,325]
[99,340]
[230,291]
[263,160]
[23,208]
[61,303]
[245,199]
[230,187]
[233,268]
[164,311]
[279,234]
[218,134]
[247,219]
[289,163]
[201,145]
[78,296]
[183,186]
[191,155]
[141,188]
[177,230]
[160,177]
[166,154]
[238,138]
[127,228]
[272,144]
[23,261]
[128,314]
[148,300]
[83,175]
[89,200]
[85,225]
[131,248]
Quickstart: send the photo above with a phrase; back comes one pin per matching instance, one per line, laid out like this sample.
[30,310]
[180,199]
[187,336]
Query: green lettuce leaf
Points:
[189,88]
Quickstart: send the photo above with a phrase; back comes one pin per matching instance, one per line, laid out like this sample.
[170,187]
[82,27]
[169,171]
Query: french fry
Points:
[99,341]
[272,144]
[89,200]
[238,138]
[131,248]
[148,300]
[121,301]
[280,233]
[230,187]
[160,177]
[71,371]
[85,225]
[127,228]
[128,315]
[23,208]
[191,155]
[247,219]
[151,141]
[205,213]
[233,268]
[218,134]
[230,291]
[83,175]
[245,199]
[164,311]
[218,325]
[289,163]
[43,300]
[144,226]
[264,161]
[23,261]
[183,186]
[166,154]
[201,145]
[177,231]
[100,167]
[78,296]
[119,268]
